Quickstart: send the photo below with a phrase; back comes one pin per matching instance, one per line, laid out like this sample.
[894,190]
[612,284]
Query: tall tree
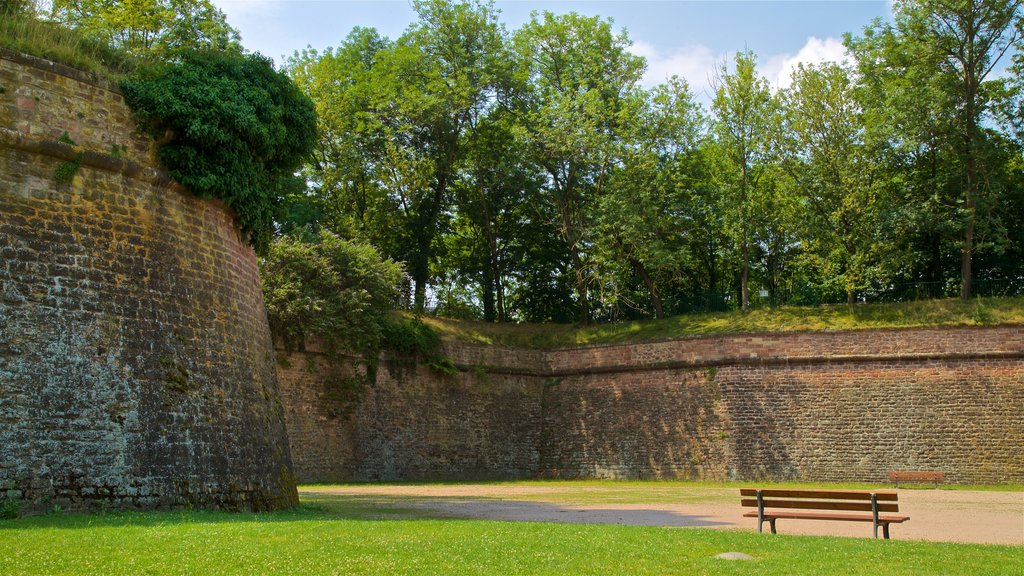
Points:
[399,141]
[969,37]
[645,215]
[822,150]
[744,111]
[577,75]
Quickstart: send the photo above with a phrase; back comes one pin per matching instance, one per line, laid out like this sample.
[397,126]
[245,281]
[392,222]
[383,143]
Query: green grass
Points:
[56,43]
[334,538]
[952,312]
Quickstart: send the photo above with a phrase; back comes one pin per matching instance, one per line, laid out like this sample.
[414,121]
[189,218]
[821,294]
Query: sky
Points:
[688,38]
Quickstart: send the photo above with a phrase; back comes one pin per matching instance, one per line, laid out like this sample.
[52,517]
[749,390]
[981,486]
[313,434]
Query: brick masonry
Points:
[136,366]
[821,406]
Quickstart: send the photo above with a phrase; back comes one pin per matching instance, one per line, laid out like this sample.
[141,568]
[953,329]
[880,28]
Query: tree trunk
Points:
[581,284]
[967,250]
[659,308]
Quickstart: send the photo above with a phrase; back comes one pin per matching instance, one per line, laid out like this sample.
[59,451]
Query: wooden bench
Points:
[774,504]
[897,476]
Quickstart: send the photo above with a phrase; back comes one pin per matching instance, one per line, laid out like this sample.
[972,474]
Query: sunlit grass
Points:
[59,44]
[342,537]
[951,312]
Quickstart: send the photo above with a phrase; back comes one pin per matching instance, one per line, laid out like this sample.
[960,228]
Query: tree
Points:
[577,75]
[822,150]
[156,29]
[744,111]
[646,212]
[349,163]
[969,38]
[325,287]
[397,140]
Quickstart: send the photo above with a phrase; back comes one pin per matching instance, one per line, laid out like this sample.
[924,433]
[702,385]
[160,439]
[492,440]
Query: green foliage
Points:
[338,292]
[411,338]
[25,32]
[229,127]
[65,172]
[530,176]
[10,508]
[150,29]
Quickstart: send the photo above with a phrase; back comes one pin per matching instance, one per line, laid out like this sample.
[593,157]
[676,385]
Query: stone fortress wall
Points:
[136,364]
[821,406]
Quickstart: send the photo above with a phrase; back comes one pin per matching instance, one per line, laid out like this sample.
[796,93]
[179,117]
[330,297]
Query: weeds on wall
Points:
[65,172]
[10,508]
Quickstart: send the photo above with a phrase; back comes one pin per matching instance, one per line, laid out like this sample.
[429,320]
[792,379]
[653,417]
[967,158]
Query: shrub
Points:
[230,127]
[338,291]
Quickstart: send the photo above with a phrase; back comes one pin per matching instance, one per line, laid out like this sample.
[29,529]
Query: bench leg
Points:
[772,522]
[885,530]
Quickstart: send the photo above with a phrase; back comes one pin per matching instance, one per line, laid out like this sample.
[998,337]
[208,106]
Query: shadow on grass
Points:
[319,507]
[500,509]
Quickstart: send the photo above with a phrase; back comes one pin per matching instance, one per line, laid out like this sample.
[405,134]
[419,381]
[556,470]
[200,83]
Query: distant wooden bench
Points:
[774,504]
[897,476]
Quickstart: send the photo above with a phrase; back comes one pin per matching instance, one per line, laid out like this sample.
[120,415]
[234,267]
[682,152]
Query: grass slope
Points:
[337,540]
[952,312]
[49,40]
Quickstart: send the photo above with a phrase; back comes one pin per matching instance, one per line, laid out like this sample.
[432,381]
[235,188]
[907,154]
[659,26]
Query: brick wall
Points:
[136,367]
[824,406]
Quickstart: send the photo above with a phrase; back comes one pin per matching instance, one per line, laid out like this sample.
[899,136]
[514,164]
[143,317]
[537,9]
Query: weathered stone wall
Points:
[411,424]
[136,366]
[828,406]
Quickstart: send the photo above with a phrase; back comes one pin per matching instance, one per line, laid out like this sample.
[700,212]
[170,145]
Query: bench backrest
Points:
[845,500]
[916,476]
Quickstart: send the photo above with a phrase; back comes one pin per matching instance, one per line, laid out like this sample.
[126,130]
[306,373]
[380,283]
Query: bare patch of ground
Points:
[936,515]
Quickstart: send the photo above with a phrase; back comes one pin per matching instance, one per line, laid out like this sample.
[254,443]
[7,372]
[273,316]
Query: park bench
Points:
[843,505]
[897,476]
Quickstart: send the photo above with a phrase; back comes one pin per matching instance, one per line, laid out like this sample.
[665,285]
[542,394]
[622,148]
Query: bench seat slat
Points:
[883,495]
[812,516]
[912,475]
[822,505]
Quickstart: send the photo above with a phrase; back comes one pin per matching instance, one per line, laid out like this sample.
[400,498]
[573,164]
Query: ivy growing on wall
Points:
[229,127]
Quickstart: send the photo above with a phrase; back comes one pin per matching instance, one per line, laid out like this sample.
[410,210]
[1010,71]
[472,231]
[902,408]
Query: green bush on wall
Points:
[229,127]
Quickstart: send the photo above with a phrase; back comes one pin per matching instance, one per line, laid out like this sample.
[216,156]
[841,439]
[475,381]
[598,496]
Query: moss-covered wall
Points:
[826,406]
[136,366]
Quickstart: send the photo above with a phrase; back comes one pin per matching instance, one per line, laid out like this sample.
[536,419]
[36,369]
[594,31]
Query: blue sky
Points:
[687,38]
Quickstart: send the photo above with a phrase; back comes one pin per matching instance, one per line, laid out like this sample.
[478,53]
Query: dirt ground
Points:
[936,515]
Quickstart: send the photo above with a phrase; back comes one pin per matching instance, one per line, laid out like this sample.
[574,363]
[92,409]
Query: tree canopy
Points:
[530,175]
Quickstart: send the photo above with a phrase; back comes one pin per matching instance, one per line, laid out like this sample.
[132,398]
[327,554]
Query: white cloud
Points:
[698,64]
[695,63]
[778,69]
[246,8]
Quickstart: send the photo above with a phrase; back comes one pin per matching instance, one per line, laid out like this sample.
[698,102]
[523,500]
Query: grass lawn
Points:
[342,536]
[952,312]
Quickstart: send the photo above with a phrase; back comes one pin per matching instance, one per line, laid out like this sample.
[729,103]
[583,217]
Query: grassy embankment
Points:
[59,44]
[341,536]
[952,312]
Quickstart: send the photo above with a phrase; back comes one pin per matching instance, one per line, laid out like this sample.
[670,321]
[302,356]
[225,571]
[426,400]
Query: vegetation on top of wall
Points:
[21,31]
[229,127]
[926,313]
[339,292]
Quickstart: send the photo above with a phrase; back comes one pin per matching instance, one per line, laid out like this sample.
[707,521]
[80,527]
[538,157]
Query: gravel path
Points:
[937,515]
